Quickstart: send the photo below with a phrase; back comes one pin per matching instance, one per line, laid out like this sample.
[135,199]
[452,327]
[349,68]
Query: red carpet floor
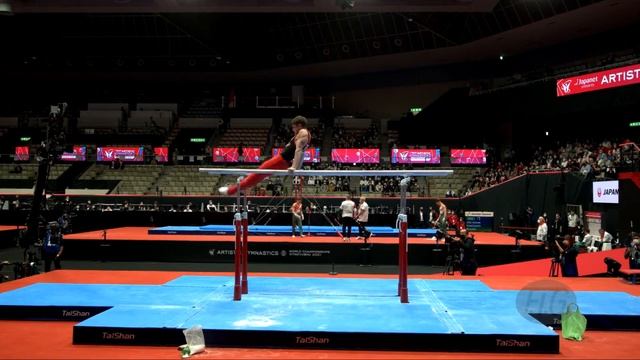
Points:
[140,234]
[10,227]
[588,264]
[53,340]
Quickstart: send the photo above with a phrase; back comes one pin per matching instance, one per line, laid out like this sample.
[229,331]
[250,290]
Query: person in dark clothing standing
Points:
[569,256]
[52,247]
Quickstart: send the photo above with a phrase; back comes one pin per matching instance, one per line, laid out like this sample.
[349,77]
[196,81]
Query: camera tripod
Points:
[452,261]
[555,266]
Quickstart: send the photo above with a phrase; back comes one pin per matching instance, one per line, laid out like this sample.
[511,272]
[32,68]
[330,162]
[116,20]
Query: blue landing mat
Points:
[280,230]
[317,312]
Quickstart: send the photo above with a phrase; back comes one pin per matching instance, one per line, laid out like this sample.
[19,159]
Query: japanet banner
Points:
[124,153]
[415,156]
[607,79]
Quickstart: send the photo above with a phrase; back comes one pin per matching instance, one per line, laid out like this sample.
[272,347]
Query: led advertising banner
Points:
[161,154]
[225,154]
[22,153]
[356,156]
[124,153]
[607,79]
[468,156]
[311,155]
[79,153]
[251,155]
[415,156]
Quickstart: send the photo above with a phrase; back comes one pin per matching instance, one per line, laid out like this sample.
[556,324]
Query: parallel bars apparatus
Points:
[241,218]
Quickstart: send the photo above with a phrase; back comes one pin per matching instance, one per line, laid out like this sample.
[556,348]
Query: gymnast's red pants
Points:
[275,163]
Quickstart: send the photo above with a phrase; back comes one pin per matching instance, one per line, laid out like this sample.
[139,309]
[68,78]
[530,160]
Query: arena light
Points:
[198,140]
[5,8]
[634,124]
[416,110]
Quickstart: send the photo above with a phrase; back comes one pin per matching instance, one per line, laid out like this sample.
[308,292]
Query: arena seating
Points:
[29,171]
[173,180]
[134,179]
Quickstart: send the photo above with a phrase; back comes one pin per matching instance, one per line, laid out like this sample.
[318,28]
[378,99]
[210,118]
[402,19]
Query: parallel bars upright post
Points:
[237,222]
[245,245]
[403,245]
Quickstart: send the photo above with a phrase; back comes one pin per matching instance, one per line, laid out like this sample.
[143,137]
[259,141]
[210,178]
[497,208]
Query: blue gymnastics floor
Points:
[279,230]
[311,312]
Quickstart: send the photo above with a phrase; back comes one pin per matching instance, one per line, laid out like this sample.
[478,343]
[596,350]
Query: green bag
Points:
[573,323]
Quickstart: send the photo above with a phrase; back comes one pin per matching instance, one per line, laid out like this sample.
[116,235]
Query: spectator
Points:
[606,239]
[211,206]
[541,234]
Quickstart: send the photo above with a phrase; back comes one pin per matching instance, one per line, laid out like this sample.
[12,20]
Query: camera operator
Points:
[568,257]
[52,246]
[468,263]
[633,253]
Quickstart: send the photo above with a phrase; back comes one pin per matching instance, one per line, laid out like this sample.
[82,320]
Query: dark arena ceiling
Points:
[308,36]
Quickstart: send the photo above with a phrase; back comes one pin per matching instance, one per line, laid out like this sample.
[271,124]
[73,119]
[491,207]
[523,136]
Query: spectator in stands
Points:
[347,208]
[173,209]
[291,157]
[606,239]
[541,234]
[450,193]
[188,208]
[296,218]
[16,169]
[156,207]
[125,206]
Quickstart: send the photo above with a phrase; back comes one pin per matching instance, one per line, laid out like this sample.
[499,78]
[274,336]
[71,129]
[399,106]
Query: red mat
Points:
[588,264]
[141,234]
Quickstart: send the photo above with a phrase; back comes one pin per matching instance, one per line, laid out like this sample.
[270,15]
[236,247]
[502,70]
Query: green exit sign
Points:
[25,138]
[198,140]
[634,124]
[416,110]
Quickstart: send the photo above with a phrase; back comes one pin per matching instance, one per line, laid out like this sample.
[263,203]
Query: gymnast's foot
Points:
[223,190]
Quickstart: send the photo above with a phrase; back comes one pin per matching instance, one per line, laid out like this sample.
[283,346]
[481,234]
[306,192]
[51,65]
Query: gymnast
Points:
[291,157]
